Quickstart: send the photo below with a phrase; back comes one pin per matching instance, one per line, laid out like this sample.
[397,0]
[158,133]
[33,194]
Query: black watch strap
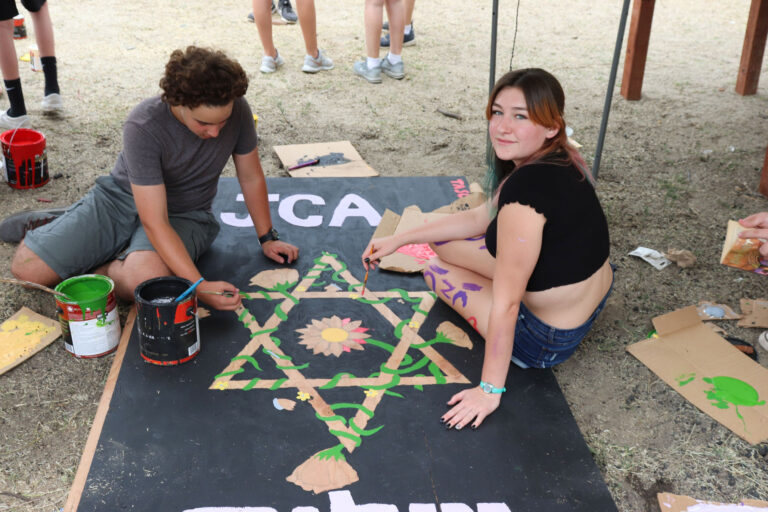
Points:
[270,235]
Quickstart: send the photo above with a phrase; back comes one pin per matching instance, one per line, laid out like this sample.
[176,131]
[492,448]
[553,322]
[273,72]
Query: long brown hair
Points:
[545,100]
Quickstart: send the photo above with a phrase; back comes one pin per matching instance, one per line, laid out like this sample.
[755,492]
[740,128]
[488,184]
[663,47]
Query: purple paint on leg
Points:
[460,295]
[439,270]
[474,238]
[428,274]
[482,247]
[448,287]
[472,287]
[442,243]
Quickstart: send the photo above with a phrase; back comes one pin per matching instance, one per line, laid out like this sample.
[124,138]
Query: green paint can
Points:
[89,322]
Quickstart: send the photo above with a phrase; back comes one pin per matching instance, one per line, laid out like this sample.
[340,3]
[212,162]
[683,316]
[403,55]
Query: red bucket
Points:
[26,164]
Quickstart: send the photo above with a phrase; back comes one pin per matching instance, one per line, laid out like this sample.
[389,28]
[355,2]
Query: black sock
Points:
[16,97]
[51,76]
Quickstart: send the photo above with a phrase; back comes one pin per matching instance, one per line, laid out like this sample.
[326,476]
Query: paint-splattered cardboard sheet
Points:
[315,395]
[708,371]
[23,335]
[324,159]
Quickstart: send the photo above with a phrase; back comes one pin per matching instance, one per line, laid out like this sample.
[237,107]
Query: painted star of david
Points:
[406,328]
[284,284]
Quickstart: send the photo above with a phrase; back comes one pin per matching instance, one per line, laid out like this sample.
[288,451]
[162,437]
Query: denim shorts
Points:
[538,345]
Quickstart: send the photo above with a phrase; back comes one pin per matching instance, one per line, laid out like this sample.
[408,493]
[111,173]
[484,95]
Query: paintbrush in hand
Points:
[365,279]
[223,294]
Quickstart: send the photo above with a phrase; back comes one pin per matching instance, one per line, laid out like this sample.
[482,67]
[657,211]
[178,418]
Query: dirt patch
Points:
[676,166]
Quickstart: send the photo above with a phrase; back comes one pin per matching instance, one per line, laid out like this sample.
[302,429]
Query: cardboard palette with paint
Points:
[325,159]
[23,335]
[709,372]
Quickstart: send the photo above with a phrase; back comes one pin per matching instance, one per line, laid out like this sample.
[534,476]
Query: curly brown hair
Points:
[202,76]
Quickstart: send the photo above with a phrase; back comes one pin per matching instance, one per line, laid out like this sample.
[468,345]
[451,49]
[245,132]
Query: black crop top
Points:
[575,241]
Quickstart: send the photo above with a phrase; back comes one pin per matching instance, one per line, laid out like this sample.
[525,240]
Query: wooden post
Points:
[754,46]
[637,48]
[763,188]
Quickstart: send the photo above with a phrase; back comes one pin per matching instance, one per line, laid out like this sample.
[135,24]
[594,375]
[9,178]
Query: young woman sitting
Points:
[533,261]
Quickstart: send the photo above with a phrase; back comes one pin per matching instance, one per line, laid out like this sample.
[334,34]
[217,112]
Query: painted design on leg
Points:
[461,294]
[431,276]
[437,269]
[448,288]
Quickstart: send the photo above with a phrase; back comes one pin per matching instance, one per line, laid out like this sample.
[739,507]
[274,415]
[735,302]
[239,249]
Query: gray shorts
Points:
[104,226]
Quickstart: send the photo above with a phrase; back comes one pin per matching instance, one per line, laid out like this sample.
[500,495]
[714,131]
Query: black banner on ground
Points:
[317,398]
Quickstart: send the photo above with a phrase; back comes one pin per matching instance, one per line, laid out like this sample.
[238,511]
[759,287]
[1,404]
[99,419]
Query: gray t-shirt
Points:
[158,149]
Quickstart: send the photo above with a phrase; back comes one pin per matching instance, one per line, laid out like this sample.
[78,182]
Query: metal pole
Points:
[609,92]
[492,78]
[494,24]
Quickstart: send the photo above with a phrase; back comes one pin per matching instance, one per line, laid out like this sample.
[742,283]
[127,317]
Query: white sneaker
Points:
[313,65]
[11,123]
[52,103]
[271,64]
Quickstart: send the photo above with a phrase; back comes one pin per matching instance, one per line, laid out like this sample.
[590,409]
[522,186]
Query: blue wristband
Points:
[490,388]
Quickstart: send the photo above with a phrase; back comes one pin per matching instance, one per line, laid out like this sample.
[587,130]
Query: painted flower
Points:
[332,336]
[271,279]
[321,473]
[222,385]
[354,296]
[303,396]
[371,392]
[301,288]
[413,324]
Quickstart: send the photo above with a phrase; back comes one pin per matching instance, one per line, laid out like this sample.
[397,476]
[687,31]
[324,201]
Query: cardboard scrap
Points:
[683,257]
[337,160]
[409,258]
[475,198]
[755,313]
[413,257]
[742,253]
[23,335]
[712,311]
[669,502]
[709,372]
[652,256]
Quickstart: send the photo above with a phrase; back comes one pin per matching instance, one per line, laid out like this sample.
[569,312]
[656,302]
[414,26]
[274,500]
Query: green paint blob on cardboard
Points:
[685,378]
[733,391]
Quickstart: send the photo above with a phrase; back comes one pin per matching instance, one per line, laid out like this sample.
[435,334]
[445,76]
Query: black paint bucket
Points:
[168,330]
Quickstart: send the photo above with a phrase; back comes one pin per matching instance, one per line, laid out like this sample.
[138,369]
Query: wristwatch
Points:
[270,235]
[490,388]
